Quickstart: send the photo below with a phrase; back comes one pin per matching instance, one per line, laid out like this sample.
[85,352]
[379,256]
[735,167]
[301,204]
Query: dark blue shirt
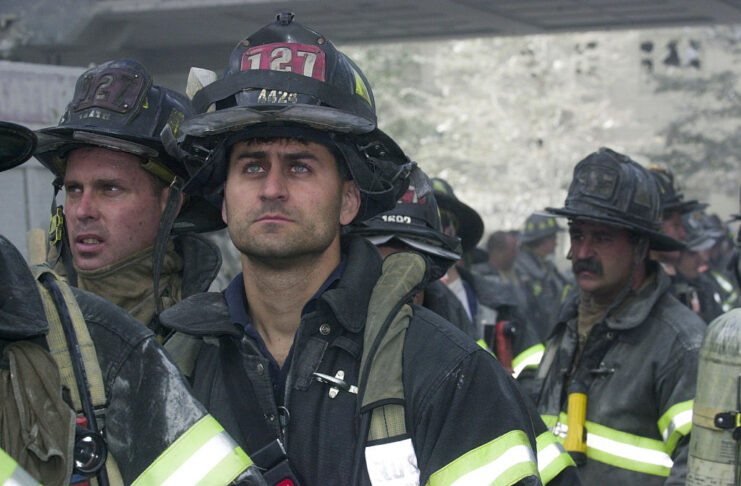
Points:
[236,301]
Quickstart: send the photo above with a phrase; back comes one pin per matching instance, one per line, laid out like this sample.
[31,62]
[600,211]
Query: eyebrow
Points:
[262,154]
[98,182]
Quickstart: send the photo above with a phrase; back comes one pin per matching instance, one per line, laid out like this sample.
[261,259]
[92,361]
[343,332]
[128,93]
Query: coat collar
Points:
[637,307]
[348,300]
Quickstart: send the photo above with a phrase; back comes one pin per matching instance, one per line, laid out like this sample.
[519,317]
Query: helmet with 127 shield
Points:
[288,81]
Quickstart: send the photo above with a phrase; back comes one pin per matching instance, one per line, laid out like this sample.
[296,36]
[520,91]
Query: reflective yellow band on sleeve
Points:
[482,343]
[204,455]
[675,423]
[552,457]
[530,358]
[618,448]
[11,474]
[503,461]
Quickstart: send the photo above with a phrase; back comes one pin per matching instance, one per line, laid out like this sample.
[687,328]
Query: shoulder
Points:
[102,316]
[435,352]
[671,317]
[205,313]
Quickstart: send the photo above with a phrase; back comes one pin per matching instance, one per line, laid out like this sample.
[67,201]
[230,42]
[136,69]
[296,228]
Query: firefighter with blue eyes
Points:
[87,392]
[619,372]
[315,357]
[122,190]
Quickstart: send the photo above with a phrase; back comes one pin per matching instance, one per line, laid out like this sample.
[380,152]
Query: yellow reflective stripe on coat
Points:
[618,448]
[530,358]
[552,457]
[503,461]
[205,455]
[11,474]
[675,423]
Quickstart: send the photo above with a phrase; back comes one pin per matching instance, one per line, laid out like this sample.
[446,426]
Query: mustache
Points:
[590,265]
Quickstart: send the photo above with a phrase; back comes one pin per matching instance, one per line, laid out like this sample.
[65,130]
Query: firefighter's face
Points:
[285,198]
[603,259]
[112,206]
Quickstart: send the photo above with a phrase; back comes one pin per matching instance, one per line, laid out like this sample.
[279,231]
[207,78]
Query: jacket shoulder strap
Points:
[58,344]
[389,315]
[58,348]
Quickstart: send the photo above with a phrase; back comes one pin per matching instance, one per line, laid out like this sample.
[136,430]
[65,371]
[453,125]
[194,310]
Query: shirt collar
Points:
[236,299]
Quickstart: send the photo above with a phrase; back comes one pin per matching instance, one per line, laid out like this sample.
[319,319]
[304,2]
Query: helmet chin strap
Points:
[58,235]
[160,245]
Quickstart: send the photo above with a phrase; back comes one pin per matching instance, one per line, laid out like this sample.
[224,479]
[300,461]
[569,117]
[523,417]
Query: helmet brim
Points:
[17,144]
[471,225]
[238,117]
[657,240]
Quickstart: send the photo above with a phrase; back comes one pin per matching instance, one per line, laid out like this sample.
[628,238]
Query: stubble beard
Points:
[280,247]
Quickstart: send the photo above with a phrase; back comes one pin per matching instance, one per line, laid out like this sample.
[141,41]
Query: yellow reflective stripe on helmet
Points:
[503,461]
[676,422]
[11,474]
[204,454]
[618,448]
[552,457]
[530,358]
[360,88]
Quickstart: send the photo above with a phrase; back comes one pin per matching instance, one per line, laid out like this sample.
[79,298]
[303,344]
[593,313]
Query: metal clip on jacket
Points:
[337,381]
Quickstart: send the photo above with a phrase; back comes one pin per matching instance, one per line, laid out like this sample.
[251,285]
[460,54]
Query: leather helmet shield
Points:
[610,188]
[286,72]
[116,106]
[17,144]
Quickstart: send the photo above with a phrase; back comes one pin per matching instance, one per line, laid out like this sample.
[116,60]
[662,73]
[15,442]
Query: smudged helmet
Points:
[286,80]
[672,198]
[116,106]
[17,143]
[610,188]
[467,221]
[538,226]
[415,222]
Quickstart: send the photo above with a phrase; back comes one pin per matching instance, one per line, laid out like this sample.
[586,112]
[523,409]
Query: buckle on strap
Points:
[56,226]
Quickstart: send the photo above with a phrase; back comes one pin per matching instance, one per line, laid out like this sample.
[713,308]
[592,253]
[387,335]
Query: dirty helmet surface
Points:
[415,222]
[17,144]
[672,198]
[610,188]
[288,81]
[116,106]
[538,226]
[468,223]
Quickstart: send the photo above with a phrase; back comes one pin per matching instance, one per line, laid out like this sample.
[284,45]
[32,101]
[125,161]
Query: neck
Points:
[278,290]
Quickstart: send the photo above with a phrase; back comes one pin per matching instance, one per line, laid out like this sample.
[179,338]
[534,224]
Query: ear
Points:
[223,211]
[350,202]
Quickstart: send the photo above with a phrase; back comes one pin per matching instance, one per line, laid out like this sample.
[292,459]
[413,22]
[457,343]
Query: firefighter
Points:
[619,372]
[544,286]
[314,357]
[692,284]
[414,225]
[87,391]
[121,188]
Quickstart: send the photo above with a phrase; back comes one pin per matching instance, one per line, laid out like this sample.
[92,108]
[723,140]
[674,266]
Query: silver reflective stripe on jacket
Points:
[618,448]
[204,454]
